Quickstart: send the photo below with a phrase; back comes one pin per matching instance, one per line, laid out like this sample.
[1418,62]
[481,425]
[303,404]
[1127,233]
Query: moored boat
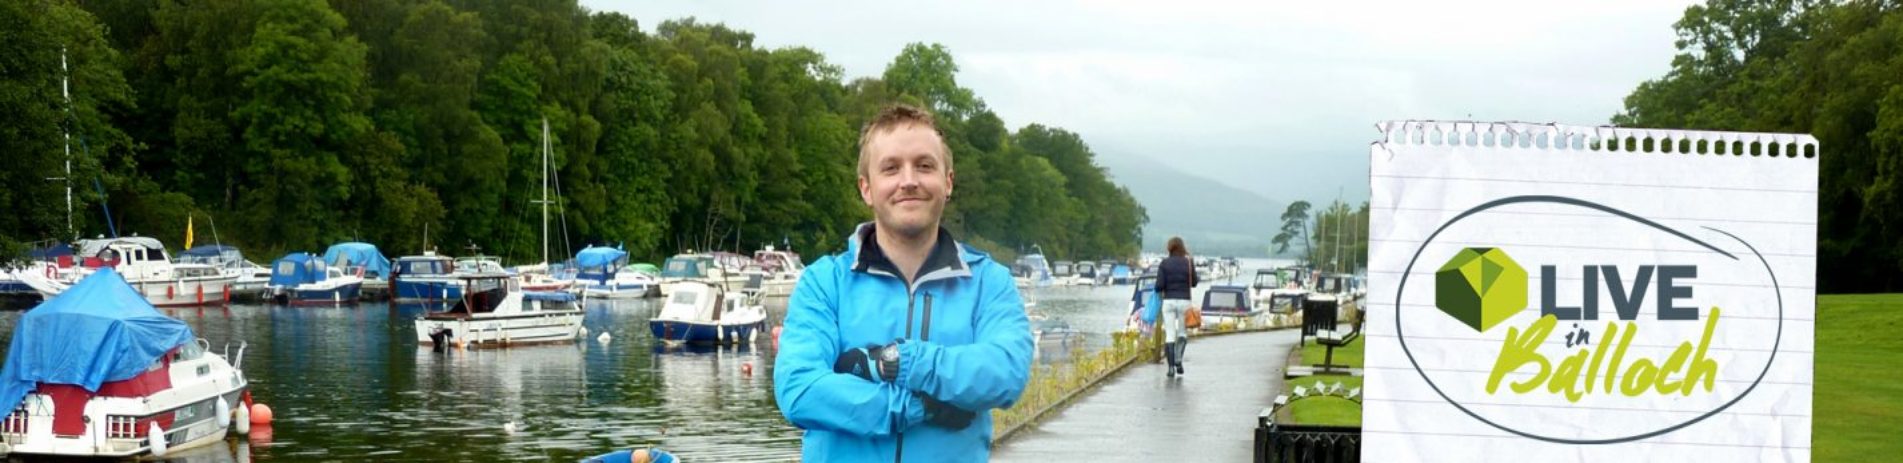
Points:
[303,278]
[143,263]
[773,272]
[604,273]
[363,260]
[495,312]
[698,313]
[718,269]
[249,278]
[425,278]
[98,372]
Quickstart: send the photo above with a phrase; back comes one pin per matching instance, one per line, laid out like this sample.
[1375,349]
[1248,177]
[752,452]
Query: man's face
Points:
[906,180]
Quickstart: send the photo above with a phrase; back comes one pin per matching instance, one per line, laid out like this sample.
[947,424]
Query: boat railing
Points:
[239,360]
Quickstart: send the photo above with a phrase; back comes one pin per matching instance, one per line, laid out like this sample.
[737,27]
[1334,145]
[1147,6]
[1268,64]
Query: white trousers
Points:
[1173,310]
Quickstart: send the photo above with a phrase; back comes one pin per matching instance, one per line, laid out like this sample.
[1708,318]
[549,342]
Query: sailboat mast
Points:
[65,91]
[545,156]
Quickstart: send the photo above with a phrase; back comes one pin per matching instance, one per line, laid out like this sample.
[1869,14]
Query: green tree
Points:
[34,38]
[302,80]
[1294,227]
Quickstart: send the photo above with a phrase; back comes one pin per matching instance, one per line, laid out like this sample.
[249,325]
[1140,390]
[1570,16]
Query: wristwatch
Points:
[889,361]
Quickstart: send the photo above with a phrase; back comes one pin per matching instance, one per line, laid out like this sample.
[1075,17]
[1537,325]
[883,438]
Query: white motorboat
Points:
[303,278]
[1281,292]
[698,313]
[143,263]
[163,390]
[773,273]
[720,269]
[495,312]
[603,272]
[249,278]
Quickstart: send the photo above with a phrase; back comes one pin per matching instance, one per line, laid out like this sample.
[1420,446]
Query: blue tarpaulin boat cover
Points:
[97,331]
[599,256]
[358,254]
[295,269]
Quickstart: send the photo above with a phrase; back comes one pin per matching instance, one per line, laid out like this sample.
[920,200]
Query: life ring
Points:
[51,272]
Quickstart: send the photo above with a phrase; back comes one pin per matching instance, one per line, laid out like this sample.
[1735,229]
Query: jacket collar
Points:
[946,260]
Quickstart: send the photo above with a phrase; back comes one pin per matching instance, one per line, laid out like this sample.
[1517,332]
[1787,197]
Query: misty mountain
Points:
[1213,218]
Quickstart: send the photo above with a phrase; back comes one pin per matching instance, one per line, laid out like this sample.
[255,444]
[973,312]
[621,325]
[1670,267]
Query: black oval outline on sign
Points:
[1402,289]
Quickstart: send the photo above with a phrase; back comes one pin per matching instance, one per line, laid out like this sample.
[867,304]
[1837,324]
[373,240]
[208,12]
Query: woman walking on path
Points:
[1174,278]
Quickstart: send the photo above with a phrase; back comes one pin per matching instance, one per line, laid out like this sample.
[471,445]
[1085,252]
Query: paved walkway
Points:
[1141,415]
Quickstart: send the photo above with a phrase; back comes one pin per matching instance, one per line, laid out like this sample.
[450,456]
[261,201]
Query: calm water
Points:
[351,383]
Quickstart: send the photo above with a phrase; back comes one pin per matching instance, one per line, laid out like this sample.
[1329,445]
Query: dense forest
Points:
[1830,69]
[294,124]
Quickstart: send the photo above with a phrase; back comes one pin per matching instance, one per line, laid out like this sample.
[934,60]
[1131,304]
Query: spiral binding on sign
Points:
[1526,135]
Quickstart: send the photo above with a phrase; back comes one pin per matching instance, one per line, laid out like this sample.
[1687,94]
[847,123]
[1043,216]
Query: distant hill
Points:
[1212,218]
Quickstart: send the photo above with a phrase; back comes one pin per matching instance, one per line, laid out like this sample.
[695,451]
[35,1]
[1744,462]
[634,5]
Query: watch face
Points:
[890,354]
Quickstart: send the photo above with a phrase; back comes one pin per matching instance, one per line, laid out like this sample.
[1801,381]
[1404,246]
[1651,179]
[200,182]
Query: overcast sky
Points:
[1278,98]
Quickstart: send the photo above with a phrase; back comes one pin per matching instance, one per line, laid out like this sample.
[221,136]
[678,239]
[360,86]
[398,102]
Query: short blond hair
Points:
[891,118]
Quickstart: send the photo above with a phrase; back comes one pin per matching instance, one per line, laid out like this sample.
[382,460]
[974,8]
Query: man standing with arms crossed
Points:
[898,348]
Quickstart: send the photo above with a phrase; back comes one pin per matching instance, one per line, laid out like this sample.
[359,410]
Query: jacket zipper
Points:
[898,454]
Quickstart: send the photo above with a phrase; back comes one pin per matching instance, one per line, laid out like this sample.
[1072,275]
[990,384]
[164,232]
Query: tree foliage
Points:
[1831,69]
[294,124]
[1294,227]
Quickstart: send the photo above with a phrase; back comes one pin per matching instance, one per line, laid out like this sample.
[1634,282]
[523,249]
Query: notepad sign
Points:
[1589,293]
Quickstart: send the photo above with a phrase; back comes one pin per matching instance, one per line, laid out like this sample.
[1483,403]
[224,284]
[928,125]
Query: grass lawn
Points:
[1858,401]
[1325,410]
[1350,355]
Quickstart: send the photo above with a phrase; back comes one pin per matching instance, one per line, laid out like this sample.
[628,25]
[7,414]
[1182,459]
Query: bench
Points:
[1332,339]
[1317,316]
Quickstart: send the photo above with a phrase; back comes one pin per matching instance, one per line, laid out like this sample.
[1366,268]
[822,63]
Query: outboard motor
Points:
[439,339]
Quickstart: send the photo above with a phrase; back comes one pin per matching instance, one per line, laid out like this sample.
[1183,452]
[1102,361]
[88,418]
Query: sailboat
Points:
[539,277]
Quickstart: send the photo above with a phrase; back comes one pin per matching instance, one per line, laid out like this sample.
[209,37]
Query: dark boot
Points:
[1182,345]
[1169,357]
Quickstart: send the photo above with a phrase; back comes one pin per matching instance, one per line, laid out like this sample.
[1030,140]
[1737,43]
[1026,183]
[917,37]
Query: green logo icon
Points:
[1480,287]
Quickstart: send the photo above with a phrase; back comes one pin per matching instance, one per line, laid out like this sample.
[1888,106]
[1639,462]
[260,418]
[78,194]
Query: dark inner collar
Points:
[944,254]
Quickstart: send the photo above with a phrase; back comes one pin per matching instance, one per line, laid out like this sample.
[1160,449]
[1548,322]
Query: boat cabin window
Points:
[685,297]
[422,267]
[1224,299]
[189,351]
[286,268]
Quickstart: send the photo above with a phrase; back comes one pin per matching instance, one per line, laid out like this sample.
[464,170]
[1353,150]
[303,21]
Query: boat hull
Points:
[679,331]
[342,294]
[186,292]
[186,411]
[501,331]
[420,290]
[616,290]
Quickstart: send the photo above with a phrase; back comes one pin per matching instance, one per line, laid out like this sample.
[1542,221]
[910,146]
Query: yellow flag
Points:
[188,232]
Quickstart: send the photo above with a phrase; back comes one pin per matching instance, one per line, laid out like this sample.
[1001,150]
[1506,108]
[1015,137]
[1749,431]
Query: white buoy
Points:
[508,427]
[224,413]
[604,338]
[243,425]
[584,332]
[157,436]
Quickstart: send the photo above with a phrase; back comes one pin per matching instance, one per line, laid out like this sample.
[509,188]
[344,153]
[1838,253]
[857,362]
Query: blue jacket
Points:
[968,344]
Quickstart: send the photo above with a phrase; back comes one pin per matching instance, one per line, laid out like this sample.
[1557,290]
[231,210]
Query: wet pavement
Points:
[1142,415]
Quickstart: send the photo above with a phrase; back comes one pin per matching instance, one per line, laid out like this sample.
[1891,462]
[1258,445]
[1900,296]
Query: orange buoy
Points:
[746,369]
[260,414]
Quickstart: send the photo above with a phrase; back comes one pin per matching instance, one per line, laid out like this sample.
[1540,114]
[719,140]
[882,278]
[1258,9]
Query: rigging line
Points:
[561,208]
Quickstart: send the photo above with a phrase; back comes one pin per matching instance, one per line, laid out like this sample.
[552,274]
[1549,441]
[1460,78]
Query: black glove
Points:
[945,415]
[872,362]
